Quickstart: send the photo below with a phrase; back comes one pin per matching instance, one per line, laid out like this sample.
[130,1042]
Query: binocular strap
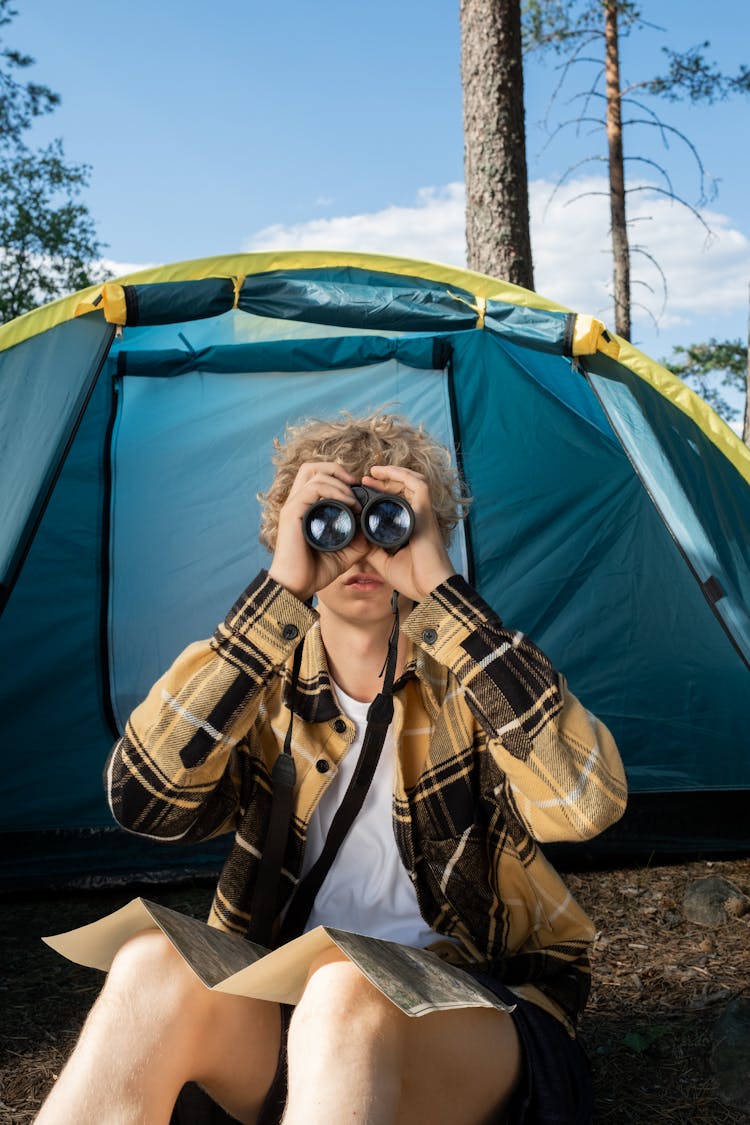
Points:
[379,718]
[283,777]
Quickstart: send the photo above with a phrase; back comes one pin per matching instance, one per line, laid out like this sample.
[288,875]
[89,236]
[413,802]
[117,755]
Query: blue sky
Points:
[242,125]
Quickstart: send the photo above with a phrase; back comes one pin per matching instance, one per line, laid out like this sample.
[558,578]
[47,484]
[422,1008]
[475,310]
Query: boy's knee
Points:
[148,967]
[339,1000]
[147,954]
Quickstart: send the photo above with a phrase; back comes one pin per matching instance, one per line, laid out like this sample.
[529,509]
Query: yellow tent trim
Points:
[238,283]
[590,336]
[234,265]
[113,303]
[690,403]
[479,285]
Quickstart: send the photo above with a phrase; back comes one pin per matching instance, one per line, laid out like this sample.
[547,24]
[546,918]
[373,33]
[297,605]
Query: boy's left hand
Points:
[416,569]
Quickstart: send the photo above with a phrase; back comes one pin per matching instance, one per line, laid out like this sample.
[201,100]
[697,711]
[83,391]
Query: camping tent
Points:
[610,521]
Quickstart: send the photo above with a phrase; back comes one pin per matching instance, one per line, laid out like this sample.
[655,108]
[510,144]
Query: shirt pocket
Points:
[457,868]
[490,890]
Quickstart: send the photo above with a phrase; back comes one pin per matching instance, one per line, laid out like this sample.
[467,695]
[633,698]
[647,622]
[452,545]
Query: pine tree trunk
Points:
[620,247]
[497,193]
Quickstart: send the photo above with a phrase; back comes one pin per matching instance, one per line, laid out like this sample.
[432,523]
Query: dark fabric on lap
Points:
[273,1106]
[195,1107]
[555,1088]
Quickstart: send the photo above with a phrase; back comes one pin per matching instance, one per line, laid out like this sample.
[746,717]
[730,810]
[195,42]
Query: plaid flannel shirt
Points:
[494,757]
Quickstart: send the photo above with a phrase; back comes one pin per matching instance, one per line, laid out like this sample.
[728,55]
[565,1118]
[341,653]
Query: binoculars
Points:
[386,520]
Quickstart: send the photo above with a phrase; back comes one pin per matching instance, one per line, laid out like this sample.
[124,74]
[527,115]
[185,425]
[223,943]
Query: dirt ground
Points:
[660,984]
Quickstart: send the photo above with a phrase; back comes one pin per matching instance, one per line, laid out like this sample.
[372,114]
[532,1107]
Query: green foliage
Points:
[576,30]
[565,25]
[559,24]
[642,1038]
[691,76]
[48,244]
[20,101]
[547,23]
[711,369]
[47,237]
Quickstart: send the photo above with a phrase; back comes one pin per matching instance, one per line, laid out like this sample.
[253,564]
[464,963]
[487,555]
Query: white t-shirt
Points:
[367,889]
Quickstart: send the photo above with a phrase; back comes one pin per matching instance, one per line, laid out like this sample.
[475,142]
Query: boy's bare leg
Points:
[155,1027]
[353,1056]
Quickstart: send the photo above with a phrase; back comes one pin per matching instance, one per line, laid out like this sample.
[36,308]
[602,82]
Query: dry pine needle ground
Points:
[660,984]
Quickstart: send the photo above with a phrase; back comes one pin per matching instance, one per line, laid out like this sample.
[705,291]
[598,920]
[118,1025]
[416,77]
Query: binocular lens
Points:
[387,522]
[329,527]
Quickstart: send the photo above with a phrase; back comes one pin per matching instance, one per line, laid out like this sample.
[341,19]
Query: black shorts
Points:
[555,1087]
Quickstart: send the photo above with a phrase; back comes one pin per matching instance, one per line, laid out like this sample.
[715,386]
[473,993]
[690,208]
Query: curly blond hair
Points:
[358,444]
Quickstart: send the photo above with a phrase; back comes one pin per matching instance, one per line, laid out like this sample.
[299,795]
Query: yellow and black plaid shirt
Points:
[495,756]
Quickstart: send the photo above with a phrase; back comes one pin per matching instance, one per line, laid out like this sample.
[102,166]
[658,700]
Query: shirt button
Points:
[290,632]
[429,636]
[322,765]
[339,726]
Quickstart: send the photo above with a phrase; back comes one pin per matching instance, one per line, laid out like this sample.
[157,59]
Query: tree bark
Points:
[497,191]
[620,246]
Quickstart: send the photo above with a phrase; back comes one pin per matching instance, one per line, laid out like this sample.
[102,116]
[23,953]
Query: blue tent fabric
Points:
[220,425]
[322,354]
[680,471]
[382,307]
[580,559]
[607,522]
[52,691]
[44,385]
[167,302]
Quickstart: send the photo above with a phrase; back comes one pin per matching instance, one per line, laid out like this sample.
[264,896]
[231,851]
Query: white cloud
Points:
[704,272]
[124,269]
[432,229]
[706,277]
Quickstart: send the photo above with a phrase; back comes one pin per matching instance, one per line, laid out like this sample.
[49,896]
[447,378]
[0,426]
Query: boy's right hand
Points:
[296,566]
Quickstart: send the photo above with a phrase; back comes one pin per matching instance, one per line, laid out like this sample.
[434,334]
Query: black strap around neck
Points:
[379,718]
[283,777]
[265,894]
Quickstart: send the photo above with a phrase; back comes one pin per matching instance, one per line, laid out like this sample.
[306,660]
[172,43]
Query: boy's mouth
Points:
[364,581]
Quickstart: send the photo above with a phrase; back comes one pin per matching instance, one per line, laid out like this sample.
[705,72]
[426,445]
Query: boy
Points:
[487,755]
